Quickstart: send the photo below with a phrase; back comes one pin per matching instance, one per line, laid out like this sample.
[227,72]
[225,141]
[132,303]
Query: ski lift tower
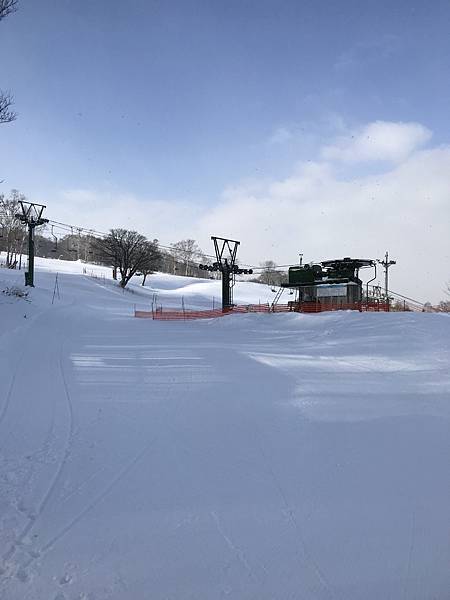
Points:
[31,216]
[226,251]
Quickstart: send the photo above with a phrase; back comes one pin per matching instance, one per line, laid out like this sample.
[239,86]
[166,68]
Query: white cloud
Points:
[406,210]
[166,220]
[378,141]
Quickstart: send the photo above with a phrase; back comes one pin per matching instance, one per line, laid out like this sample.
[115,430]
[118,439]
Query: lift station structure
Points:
[329,283]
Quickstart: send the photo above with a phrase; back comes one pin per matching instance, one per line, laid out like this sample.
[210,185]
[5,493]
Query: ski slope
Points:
[257,456]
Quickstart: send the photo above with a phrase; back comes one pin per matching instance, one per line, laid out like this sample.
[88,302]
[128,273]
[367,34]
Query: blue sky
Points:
[180,98]
[179,101]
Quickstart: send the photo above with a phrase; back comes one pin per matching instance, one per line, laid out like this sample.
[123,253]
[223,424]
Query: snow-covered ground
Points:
[257,456]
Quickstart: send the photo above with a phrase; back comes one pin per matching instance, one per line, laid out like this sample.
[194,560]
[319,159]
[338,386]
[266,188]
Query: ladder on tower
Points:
[276,299]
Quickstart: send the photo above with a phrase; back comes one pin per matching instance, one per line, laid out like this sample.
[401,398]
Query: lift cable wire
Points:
[406,298]
[75,229]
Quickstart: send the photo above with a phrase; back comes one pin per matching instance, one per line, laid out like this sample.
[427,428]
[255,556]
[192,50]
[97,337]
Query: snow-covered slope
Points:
[167,290]
[251,457]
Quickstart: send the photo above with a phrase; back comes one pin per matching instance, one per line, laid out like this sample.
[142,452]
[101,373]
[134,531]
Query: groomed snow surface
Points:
[256,456]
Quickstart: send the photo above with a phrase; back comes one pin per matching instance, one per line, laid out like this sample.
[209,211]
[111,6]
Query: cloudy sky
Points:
[319,127]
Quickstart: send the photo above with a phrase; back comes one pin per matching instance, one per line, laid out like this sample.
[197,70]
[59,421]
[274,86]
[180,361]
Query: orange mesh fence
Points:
[179,315]
[161,314]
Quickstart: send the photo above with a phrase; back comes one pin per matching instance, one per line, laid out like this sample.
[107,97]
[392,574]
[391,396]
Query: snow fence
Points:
[168,314]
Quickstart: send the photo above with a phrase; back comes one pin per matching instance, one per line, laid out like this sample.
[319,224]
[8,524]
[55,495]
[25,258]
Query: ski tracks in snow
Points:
[21,569]
[234,549]
[319,586]
[7,401]
[19,360]
[34,518]
[101,496]
[406,580]
[304,556]
[128,467]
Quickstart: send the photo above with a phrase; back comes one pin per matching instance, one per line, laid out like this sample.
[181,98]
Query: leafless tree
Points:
[12,231]
[400,306]
[6,113]
[127,251]
[152,261]
[6,100]
[7,7]
[444,305]
[270,275]
[186,252]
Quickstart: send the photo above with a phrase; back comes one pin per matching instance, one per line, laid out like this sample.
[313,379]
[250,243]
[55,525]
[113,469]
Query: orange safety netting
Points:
[161,314]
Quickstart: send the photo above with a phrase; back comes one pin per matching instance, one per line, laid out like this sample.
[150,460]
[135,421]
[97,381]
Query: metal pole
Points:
[386,276]
[386,264]
[225,286]
[30,275]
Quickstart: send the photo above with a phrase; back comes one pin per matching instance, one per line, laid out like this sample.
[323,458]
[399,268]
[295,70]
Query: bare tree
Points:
[152,260]
[7,7]
[12,231]
[444,306]
[427,307]
[186,252]
[6,100]
[400,306]
[127,251]
[270,275]
[6,113]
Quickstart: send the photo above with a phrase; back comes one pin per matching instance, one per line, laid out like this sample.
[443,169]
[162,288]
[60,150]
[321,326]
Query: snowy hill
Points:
[251,457]
[169,289]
